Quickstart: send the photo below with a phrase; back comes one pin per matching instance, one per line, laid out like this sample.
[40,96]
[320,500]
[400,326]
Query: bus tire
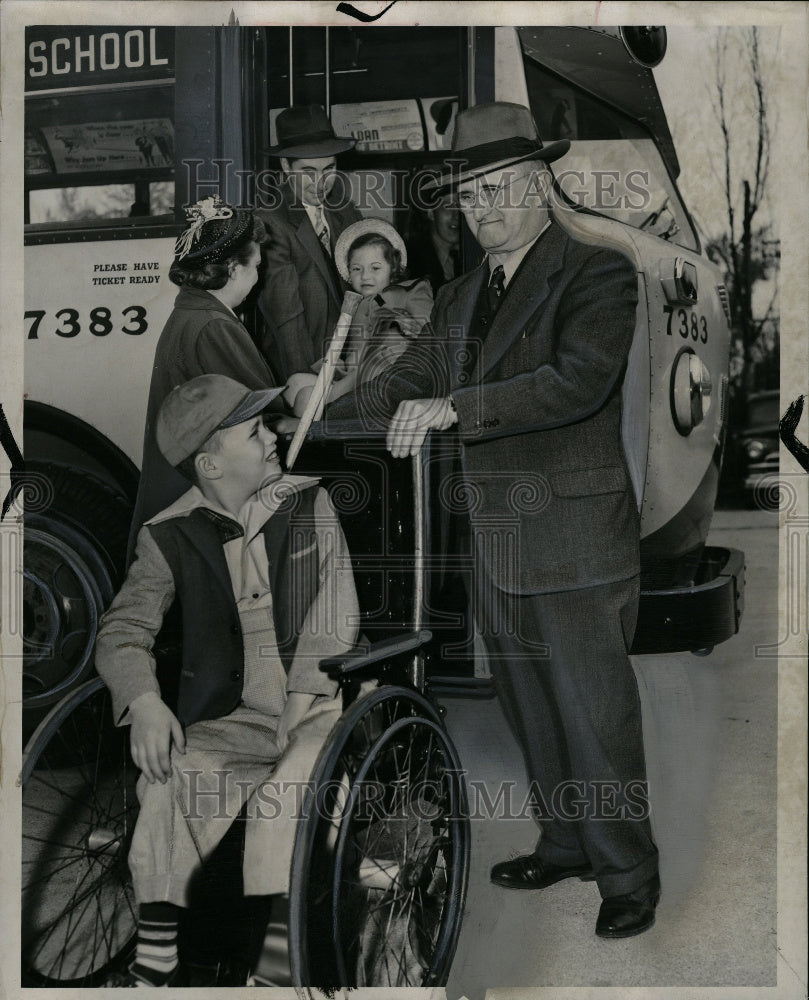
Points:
[74,549]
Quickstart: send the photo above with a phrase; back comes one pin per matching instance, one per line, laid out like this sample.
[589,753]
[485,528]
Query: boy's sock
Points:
[156,956]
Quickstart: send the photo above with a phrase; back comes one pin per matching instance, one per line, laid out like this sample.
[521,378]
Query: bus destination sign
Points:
[70,56]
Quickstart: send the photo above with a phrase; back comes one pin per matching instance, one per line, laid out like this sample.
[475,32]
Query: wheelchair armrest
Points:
[374,652]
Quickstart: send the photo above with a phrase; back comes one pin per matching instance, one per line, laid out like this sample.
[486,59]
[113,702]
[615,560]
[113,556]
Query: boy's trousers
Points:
[228,762]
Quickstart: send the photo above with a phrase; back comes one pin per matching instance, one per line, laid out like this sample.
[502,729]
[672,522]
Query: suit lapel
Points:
[307,237]
[528,290]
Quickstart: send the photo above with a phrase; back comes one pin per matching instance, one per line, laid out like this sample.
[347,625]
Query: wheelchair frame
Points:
[380,864]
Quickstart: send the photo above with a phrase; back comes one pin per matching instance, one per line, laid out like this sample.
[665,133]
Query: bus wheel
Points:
[74,553]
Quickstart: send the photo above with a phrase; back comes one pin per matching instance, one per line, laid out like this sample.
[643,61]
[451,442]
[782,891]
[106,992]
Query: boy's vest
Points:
[212,674]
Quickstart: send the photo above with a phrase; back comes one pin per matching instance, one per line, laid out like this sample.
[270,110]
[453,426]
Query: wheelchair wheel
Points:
[381,857]
[79,808]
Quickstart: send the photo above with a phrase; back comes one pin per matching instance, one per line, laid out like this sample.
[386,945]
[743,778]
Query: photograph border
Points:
[792,179]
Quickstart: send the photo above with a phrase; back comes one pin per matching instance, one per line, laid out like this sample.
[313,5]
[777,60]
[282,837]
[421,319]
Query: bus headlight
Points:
[691,390]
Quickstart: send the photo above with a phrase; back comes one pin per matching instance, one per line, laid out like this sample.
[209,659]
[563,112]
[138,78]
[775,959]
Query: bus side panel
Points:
[93,313]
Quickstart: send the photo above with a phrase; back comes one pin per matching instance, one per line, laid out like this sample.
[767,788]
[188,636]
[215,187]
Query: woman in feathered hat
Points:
[216,264]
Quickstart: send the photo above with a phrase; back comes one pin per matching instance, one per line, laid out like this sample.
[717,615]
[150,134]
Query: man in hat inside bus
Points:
[527,362]
[302,291]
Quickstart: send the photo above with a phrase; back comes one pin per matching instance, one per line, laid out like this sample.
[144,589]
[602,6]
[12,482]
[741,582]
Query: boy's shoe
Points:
[128,979]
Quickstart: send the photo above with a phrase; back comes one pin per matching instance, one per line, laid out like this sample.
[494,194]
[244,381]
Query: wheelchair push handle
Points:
[375,652]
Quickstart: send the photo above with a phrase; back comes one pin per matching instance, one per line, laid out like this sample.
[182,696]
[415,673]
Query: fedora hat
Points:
[304,130]
[491,136]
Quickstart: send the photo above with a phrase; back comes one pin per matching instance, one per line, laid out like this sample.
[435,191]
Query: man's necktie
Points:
[454,262]
[496,289]
[322,229]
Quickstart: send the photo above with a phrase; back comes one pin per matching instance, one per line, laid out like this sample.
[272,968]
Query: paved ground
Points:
[710,727]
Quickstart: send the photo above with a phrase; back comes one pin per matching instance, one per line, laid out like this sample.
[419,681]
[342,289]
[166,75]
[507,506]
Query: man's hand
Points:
[286,425]
[413,419]
[298,704]
[296,382]
[154,726]
[301,401]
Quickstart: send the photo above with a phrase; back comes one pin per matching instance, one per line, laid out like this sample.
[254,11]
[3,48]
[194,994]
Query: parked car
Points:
[758,449]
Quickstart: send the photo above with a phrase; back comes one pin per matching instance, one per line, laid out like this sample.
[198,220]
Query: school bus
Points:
[126,125]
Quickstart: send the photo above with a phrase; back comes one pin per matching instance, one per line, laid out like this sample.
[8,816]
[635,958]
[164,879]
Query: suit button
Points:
[494,423]
[234,630]
[235,675]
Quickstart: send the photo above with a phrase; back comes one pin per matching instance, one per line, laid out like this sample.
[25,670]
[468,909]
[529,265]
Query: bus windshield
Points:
[614,166]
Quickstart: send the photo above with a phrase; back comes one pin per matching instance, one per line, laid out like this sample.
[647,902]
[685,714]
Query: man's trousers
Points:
[568,690]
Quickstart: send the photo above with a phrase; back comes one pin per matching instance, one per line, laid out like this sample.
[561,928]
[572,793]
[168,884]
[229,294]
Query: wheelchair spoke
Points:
[105,927]
[50,874]
[394,847]
[83,898]
[79,808]
[70,746]
[92,894]
[50,929]
[385,878]
[54,787]
[52,843]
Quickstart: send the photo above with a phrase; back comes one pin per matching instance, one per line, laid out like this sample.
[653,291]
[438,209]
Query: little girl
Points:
[371,256]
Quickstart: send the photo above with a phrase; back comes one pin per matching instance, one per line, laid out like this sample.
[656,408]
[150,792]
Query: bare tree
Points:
[747,118]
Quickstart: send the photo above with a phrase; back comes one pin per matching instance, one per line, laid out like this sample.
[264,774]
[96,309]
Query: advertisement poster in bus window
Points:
[89,185]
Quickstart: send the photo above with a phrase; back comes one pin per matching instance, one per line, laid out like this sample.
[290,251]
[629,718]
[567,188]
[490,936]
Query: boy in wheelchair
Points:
[258,564]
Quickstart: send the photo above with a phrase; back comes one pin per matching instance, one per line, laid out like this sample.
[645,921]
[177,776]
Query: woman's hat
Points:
[191,412]
[304,130]
[361,228]
[488,137]
[215,229]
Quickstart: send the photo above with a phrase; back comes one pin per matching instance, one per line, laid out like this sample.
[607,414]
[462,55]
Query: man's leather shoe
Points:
[529,872]
[634,913]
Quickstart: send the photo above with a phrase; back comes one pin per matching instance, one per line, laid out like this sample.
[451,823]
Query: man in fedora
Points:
[302,292]
[527,362]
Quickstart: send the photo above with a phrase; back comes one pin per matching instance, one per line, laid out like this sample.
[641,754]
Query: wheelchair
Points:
[381,856]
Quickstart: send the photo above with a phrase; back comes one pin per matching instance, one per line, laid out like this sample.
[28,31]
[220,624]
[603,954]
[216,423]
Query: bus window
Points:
[614,166]
[354,65]
[72,204]
[378,87]
[99,141]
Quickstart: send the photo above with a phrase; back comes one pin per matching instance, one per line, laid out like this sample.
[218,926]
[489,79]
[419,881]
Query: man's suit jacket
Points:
[540,416]
[302,293]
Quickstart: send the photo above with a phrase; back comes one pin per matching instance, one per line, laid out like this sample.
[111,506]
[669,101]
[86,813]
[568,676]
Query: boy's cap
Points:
[192,412]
